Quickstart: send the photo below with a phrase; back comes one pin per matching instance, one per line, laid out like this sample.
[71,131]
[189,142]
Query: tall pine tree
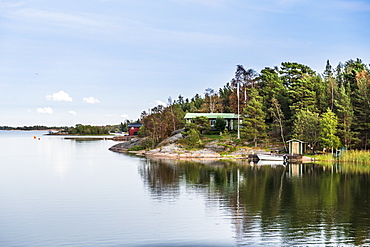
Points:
[254,127]
[345,115]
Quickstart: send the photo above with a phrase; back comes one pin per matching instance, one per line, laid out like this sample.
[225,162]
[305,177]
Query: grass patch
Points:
[211,137]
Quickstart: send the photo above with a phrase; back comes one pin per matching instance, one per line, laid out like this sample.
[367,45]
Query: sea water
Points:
[65,192]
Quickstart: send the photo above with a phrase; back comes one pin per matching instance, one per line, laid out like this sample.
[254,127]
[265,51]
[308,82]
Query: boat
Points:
[270,163]
[271,157]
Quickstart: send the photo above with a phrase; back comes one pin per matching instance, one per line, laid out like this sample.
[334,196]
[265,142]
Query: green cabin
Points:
[231,119]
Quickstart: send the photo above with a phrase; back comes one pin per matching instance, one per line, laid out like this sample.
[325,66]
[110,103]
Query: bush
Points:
[220,124]
[136,148]
[192,139]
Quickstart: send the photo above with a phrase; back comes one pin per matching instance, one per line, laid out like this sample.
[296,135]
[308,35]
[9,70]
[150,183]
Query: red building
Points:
[133,128]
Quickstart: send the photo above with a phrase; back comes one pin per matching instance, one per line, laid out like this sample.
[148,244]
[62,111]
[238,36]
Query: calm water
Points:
[57,192]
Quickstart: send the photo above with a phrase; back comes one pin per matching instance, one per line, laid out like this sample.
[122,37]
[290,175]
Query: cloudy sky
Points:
[104,61]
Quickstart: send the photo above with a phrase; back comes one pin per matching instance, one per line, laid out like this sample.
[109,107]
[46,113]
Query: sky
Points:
[101,62]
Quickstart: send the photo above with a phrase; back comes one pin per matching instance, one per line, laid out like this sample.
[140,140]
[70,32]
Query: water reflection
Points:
[307,204]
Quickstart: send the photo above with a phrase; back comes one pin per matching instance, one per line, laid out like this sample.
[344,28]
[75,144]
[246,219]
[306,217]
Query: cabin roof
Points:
[211,115]
[138,125]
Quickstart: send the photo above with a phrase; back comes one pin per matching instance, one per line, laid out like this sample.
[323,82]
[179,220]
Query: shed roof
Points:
[296,140]
[212,115]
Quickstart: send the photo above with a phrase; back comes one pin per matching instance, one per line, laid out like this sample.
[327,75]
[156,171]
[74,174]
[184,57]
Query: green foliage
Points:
[220,124]
[191,139]
[88,130]
[148,143]
[345,115]
[137,148]
[302,94]
[123,127]
[161,122]
[202,124]
[291,72]
[237,141]
[226,134]
[306,127]
[254,127]
[329,122]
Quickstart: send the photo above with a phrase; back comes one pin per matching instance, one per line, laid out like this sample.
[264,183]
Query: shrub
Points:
[136,148]
[220,124]
[192,139]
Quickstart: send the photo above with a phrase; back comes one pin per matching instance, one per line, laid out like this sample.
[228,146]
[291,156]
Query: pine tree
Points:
[362,107]
[254,127]
[302,94]
[271,87]
[345,116]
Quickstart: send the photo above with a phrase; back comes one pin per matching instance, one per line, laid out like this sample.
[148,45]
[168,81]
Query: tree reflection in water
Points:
[296,204]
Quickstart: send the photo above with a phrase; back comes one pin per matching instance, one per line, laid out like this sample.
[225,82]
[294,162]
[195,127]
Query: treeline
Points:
[35,127]
[88,130]
[327,110]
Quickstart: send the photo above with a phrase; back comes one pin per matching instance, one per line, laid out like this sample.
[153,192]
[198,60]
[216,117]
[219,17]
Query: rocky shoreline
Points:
[170,149]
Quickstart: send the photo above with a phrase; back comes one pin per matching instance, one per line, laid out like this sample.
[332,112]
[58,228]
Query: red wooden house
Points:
[133,128]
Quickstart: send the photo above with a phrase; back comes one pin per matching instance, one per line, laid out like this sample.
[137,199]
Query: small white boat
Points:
[270,157]
[270,163]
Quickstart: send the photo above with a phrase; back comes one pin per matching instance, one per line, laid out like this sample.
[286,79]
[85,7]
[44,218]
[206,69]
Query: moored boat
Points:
[270,157]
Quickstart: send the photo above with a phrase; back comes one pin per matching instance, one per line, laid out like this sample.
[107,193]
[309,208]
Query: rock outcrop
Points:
[124,146]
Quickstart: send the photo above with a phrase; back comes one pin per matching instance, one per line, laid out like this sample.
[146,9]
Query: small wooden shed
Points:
[297,146]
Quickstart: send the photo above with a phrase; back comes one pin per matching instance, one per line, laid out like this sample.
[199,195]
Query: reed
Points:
[354,156]
[326,157]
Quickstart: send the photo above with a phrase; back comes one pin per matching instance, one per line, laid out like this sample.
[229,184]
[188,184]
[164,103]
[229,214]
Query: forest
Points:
[327,110]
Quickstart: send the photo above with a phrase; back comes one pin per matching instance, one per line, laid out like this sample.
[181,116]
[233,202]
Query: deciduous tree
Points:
[328,137]
[306,127]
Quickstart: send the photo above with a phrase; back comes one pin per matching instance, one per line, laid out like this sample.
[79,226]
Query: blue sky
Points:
[103,61]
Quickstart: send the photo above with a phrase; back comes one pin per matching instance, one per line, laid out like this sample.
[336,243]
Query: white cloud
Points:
[59,96]
[91,100]
[124,116]
[45,110]
[160,102]
[72,113]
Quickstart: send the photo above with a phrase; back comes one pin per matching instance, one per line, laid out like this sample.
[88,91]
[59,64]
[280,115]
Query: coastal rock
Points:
[174,151]
[177,132]
[124,146]
[216,147]
[172,139]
